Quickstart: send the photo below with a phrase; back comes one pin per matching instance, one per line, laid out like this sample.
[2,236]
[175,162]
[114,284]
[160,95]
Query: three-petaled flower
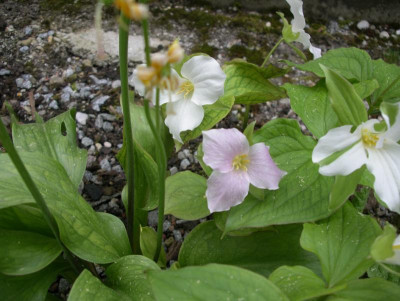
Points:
[235,166]
[378,150]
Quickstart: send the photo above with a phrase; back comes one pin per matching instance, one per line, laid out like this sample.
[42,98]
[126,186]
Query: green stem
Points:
[26,177]
[299,52]
[246,117]
[271,52]
[158,110]
[133,232]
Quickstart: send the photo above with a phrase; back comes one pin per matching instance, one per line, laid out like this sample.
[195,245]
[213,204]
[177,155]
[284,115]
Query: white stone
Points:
[98,102]
[185,163]
[86,141]
[116,84]
[173,170]
[53,105]
[105,164]
[81,118]
[98,146]
[384,35]
[107,144]
[364,24]
[398,32]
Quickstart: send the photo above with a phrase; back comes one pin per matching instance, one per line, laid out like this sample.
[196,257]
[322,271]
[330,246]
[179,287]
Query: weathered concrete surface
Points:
[380,11]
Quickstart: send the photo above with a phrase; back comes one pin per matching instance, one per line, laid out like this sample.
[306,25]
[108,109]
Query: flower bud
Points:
[175,52]
[146,75]
[132,10]
[158,60]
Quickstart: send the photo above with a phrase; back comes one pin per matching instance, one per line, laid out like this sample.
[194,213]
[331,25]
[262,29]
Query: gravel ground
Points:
[43,68]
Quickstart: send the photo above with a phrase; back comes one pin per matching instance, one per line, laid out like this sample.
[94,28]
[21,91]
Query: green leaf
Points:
[249,83]
[95,237]
[128,275]
[32,287]
[368,290]
[300,283]
[24,218]
[343,188]
[342,243]
[148,245]
[303,194]
[207,169]
[185,196]
[377,271]
[260,252]
[287,31]
[382,248]
[212,115]
[360,198]
[366,88]
[213,282]
[388,77]
[55,138]
[25,252]
[391,110]
[352,63]
[347,104]
[87,288]
[248,132]
[313,107]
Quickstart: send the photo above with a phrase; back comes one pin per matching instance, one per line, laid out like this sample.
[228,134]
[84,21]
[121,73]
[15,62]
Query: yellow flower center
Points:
[369,139]
[240,162]
[186,88]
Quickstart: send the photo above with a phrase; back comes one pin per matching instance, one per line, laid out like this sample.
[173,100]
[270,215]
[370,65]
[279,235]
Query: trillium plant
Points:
[279,209]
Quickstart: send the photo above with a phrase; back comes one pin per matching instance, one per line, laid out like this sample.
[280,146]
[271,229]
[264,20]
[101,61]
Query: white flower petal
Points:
[183,115]
[304,38]
[167,96]
[315,51]
[207,77]
[296,8]
[221,146]
[225,190]
[384,164]
[348,162]
[137,83]
[335,140]
[393,132]
[395,259]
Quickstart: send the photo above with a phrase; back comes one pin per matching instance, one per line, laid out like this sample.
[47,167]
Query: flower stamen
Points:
[186,88]
[369,139]
[240,162]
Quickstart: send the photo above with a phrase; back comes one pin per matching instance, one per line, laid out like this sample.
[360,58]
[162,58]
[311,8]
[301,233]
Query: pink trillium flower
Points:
[236,165]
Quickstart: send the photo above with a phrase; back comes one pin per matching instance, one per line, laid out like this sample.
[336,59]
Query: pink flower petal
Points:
[262,170]
[225,190]
[221,146]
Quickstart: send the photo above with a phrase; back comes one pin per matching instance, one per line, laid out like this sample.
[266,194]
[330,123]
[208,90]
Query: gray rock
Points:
[117,168]
[67,73]
[27,84]
[19,82]
[81,134]
[153,218]
[98,123]
[50,33]
[177,235]
[187,153]
[56,80]
[108,117]
[88,176]
[364,24]
[65,97]
[397,32]
[166,225]
[99,82]
[173,170]
[86,141]
[98,102]
[105,164]
[181,156]
[107,144]
[91,160]
[53,105]
[4,72]
[43,35]
[27,30]
[24,49]
[384,35]
[81,118]
[116,84]
[84,92]
[47,97]
[108,127]
[63,286]
[184,164]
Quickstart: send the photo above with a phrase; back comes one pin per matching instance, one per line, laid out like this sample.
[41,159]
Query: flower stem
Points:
[271,52]
[299,52]
[26,177]
[246,117]
[133,231]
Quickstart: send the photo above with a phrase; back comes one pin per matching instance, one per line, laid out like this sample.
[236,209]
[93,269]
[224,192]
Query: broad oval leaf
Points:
[129,276]
[185,196]
[342,243]
[25,252]
[249,83]
[261,252]
[87,288]
[213,282]
[148,245]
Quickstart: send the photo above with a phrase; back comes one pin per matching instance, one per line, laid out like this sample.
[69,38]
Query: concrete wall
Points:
[380,11]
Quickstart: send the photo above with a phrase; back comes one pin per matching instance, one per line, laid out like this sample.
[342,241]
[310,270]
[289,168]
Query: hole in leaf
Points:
[63,129]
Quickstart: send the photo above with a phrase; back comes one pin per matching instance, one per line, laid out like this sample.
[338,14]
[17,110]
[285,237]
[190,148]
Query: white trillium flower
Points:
[379,151]
[298,24]
[395,259]
[202,83]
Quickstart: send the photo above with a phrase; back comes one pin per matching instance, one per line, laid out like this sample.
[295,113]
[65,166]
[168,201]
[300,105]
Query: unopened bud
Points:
[175,52]
[139,12]
[146,75]
[158,60]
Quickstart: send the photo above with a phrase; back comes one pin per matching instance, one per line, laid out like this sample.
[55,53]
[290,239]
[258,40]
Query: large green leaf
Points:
[55,138]
[24,218]
[32,287]
[212,115]
[313,107]
[345,101]
[249,83]
[25,252]
[185,196]
[377,271]
[213,282]
[87,288]
[352,63]
[300,283]
[388,77]
[342,243]
[148,245]
[261,252]
[128,275]
[368,290]
[95,237]
[303,194]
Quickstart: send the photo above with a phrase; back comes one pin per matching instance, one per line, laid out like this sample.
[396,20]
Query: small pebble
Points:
[53,105]
[177,235]
[384,35]
[81,118]
[166,225]
[268,24]
[363,25]
[181,156]
[28,31]
[173,170]
[67,73]
[108,127]
[185,163]
[105,164]
[86,141]
[107,144]
[4,72]
[98,123]
[24,49]
[98,102]
[397,32]
[116,84]
[153,218]
[98,146]
[65,97]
